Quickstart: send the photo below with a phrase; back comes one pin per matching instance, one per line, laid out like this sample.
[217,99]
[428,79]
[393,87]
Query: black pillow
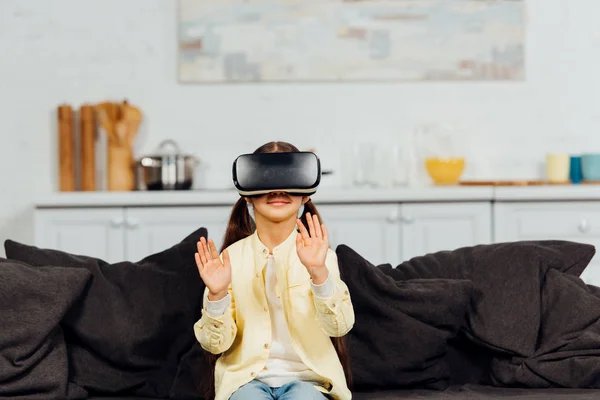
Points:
[508,276]
[33,354]
[568,257]
[400,336]
[136,320]
[568,345]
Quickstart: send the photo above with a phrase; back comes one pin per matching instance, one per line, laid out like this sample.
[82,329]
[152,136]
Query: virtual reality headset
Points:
[296,173]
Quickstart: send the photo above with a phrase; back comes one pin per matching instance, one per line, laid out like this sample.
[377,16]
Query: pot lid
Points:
[167,149]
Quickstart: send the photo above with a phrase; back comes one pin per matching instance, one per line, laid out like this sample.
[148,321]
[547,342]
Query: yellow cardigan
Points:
[243,333]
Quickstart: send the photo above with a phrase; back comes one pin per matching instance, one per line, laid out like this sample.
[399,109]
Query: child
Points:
[275,308]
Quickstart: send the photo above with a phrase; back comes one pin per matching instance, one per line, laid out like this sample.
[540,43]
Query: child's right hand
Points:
[215,274]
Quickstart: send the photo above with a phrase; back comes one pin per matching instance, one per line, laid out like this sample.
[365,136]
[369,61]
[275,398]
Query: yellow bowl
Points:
[445,171]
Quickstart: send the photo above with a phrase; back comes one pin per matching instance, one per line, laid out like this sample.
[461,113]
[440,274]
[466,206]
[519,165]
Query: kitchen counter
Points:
[328,196]
[585,192]
[229,197]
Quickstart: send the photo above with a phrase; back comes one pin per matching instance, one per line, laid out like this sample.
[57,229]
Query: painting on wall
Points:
[350,40]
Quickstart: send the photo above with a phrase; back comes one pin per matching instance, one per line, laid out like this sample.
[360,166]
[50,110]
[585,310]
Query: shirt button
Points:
[265,251]
[257,275]
[266,346]
[266,308]
[252,374]
[332,305]
[346,292]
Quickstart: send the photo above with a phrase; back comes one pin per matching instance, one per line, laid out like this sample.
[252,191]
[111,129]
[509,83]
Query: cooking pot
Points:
[169,169]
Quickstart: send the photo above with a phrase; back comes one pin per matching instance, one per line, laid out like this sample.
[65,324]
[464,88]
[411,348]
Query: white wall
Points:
[67,51]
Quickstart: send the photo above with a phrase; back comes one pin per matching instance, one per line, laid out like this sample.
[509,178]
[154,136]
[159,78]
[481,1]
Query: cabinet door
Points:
[90,232]
[369,229]
[432,227]
[572,221]
[154,229]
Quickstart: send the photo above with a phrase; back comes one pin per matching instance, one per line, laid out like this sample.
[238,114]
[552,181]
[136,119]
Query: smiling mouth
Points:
[278,202]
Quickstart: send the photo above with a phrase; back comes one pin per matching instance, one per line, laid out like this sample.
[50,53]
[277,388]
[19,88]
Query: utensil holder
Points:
[121,175]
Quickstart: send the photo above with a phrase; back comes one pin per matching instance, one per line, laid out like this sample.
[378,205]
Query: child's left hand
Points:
[312,248]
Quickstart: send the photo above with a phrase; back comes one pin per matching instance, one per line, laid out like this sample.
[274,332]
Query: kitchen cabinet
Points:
[370,230]
[153,229]
[577,221]
[431,227]
[118,234]
[392,233]
[384,226]
[91,232]
[382,233]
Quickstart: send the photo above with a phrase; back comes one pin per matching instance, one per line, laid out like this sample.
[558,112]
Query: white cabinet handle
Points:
[408,220]
[132,223]
[394,217]
[584,226]
[117,222]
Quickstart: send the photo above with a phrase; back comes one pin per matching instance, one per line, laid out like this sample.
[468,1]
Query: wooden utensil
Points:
[106,117]
[121,123]
[133,119]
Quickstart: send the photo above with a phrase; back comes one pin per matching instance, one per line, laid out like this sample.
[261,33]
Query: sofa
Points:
[481,322]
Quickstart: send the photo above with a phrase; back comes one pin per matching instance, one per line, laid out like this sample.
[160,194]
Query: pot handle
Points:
[195,160]
[149,162]
[167,143]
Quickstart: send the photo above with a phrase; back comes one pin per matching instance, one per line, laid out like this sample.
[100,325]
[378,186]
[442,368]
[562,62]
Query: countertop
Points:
[582,192]
[229,197]
[328,196]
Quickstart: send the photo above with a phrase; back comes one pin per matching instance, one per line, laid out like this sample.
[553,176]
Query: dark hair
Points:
[240,226]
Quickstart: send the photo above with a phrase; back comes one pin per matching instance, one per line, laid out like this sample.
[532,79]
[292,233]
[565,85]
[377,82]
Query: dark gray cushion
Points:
[136,320]
[402,328]
[537,318]
[33,353]
[568,345]
[507,278]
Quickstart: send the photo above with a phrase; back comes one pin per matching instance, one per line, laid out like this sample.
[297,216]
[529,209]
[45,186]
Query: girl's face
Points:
[277,206]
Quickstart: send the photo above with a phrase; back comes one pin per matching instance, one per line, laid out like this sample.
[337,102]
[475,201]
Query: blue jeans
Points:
[297,390]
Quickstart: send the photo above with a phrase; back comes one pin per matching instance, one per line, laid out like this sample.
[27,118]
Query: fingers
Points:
[213,249]
[201,253]
[205,249]
[311,225]
[325,234]
[303,231]
[299,241]
[199,263]
[317,226]
[226,258]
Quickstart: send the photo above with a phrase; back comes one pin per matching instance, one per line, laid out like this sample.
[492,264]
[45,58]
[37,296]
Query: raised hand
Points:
[312,247]
[215,274]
